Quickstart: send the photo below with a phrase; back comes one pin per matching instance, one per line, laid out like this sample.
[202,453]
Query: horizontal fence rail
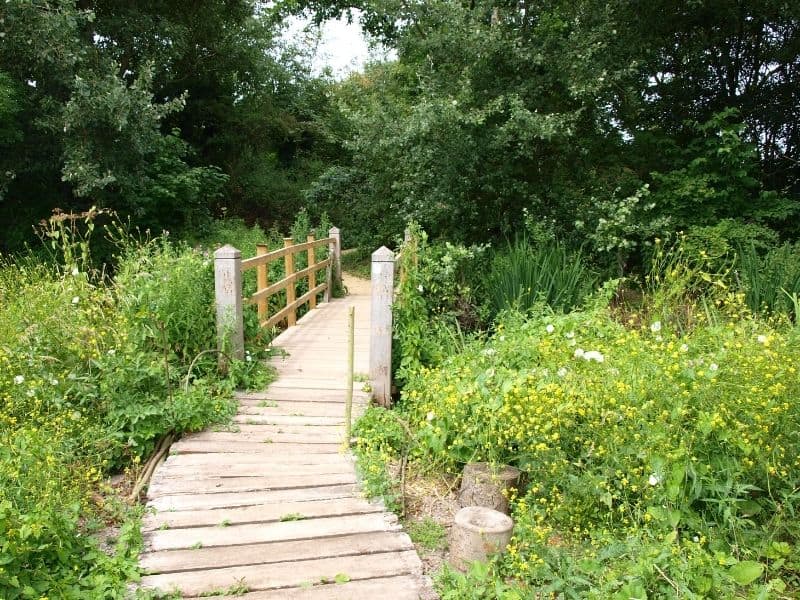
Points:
[228,271]
[261,262]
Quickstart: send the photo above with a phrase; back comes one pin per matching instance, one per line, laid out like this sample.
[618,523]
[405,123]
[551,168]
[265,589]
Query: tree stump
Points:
[477,533]
[481,485]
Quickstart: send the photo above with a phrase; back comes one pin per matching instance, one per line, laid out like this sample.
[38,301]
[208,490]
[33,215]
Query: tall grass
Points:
[771,282]
[522,275]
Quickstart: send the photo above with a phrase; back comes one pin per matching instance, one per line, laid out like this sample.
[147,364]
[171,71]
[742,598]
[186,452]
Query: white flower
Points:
[549,328]
[502,338]
[684,348]
[562,372]
[30,393]
[489,352]
[75,271]
[430,416]
[593,355]
[653,479]
[569,335]
[696,539]
[248,358]
[762,339]
[54,382]
[578,352]
[76,299]
[112,352]
[713,367]
[420,288]
[655,326]
[19,379]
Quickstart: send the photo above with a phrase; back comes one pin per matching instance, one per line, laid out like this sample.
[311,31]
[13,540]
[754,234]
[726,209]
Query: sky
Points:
[342,45]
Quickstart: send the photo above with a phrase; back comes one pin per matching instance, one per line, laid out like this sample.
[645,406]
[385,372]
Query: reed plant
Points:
[770,282]
[522,275]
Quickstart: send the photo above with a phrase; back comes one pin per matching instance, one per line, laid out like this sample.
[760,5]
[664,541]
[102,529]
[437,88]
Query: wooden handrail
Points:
[253,262]
[229,268]
[261,262]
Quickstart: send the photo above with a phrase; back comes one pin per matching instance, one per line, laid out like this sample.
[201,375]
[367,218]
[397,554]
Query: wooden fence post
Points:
[312,275]
[336,255]
[288,261]
[262,279]
[380,339]
[228,299]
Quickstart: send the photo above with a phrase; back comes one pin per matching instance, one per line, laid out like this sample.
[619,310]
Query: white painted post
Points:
[336,255]
[228,299]
[380,339]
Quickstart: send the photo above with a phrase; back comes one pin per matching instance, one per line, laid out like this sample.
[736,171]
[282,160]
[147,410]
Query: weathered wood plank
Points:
[264,418]
[235,458]
[217,470]
[259,513]
[274,552]
[271,435]
[401,587]
[256,533]
[189,446]
[281,481]
[170,502]
[287,574]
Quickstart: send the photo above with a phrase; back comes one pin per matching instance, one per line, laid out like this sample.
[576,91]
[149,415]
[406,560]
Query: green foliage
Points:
[427,533]
[522,276]
[381,437]
[660,454]
[93,372]
[771,283]
[435,300]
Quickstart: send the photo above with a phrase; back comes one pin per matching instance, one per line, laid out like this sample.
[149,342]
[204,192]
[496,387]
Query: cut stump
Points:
[485,485]
[477,533]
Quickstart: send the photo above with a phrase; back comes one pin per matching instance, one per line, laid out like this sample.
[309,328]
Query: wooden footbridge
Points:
[271,507]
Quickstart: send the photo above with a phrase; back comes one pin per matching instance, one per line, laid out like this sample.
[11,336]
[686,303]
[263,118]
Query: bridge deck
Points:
[273,508]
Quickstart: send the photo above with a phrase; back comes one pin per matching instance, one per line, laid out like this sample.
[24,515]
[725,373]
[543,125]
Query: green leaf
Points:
[746,572]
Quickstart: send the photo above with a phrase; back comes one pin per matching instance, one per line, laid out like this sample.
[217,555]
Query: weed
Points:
[292,517]
[427,533]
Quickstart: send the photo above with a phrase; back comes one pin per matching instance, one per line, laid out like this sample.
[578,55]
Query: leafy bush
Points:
[657,463]
[92,372]
[435,300]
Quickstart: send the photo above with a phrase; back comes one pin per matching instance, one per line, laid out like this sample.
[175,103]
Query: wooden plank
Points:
[290,424]
[291,316]
[278,394]
[216,470]
[263,293]
[400,587]
[276,436]
[279,481]
[259,513]
[312,275]
[173,502]
[287,574]
[189,446]
[318,422]
[257,533]
[235,458]
[291,307]
[274,552]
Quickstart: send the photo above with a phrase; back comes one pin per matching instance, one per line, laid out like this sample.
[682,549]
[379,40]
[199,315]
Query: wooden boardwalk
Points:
[272,509]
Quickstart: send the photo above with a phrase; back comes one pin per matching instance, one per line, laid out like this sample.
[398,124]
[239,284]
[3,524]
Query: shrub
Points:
[92,372]
[659,463]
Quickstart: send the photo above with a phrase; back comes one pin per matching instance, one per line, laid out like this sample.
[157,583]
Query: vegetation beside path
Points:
[655,424]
